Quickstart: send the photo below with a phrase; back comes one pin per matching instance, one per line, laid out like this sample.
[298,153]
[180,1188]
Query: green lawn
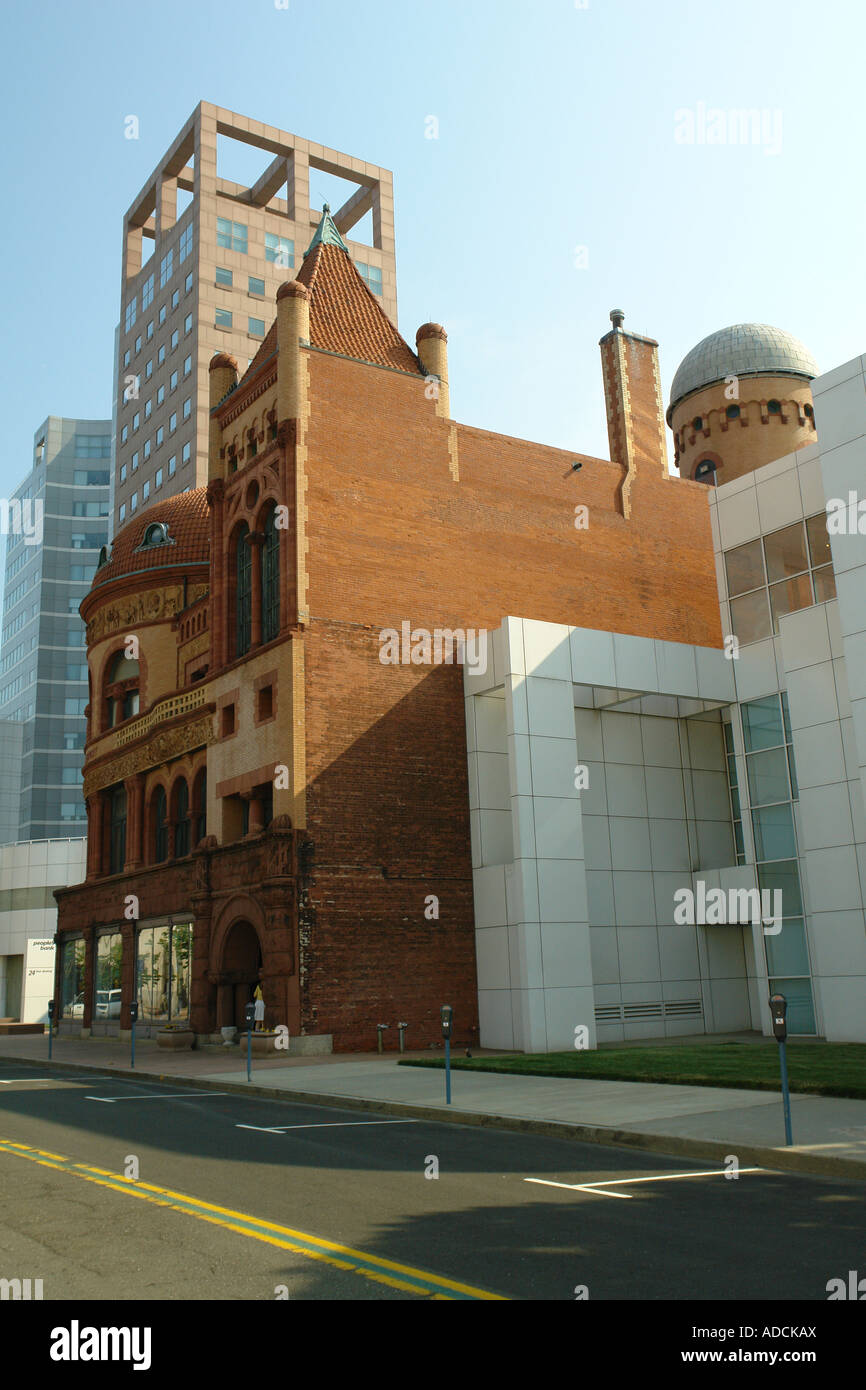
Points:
[822,1069]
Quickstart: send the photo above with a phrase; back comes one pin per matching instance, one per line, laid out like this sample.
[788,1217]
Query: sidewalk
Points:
[698,1121]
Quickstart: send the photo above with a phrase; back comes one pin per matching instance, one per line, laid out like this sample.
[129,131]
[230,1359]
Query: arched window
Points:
[271,579]
[121,689]
[732,412]
[181,819]
[160,827]
[774,407]
[243,592]
[200,807]
[706,472]
[156,534]
[117,829]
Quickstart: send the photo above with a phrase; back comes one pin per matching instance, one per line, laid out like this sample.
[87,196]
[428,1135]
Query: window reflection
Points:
[163,968]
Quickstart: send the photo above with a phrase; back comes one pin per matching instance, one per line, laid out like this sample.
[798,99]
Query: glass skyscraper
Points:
[55,523]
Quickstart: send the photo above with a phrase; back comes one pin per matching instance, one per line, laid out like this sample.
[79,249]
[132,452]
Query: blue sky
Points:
[557,130]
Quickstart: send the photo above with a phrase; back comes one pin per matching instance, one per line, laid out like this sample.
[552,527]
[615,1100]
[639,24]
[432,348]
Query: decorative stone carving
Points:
[153,605]
[161,748]
[279,858]
[202,868]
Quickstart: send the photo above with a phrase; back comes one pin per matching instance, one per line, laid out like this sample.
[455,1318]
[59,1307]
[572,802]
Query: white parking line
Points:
[335,1124]
[576,1187]
[597,1187]
[175,1095]
[15,1080]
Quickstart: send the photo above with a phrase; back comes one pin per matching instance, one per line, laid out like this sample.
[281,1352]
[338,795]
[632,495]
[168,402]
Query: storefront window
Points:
[163,962]
[72,979]
[109,954]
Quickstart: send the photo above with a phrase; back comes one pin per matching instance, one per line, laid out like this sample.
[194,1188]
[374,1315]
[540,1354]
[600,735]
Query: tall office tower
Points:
[11,739]
[57,521]
[209,281]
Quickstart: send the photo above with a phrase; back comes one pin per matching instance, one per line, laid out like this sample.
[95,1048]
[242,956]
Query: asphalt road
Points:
[120,1189]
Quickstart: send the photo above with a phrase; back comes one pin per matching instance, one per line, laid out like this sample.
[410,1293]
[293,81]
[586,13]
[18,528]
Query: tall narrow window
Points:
[181,824]
[271,579]
[117,829]
[243,593]
[160,825]
[200,803]
[121,689]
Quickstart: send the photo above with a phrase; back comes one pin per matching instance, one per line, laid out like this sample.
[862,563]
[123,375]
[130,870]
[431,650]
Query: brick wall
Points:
[388,814]
[393,535]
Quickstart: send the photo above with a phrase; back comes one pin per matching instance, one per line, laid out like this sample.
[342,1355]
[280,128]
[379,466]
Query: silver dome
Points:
[744,349]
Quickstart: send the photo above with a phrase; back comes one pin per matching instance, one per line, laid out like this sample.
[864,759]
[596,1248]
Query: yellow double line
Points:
[396,1276]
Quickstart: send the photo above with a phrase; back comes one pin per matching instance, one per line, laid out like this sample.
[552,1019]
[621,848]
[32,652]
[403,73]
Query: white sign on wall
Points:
[38,983]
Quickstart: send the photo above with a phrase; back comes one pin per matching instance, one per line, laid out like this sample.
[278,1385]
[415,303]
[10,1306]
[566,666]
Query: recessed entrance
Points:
[239,973]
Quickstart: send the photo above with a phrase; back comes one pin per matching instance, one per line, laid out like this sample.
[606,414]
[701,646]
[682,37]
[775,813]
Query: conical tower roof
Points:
[345,316]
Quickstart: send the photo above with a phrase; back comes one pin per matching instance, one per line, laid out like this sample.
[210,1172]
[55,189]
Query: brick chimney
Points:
[635,410]
[222,378]
[431,341]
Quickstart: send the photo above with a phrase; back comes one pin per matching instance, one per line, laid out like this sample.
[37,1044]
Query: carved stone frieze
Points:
[151,606]
[161,748]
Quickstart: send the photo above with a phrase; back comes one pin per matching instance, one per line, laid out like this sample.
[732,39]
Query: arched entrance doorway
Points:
[238,973]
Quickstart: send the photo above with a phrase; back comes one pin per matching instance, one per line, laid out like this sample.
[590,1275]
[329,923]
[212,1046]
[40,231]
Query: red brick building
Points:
[265,797]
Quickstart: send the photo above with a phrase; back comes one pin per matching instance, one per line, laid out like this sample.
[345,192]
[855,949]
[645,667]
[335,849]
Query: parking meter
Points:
[50,1025]
[249,1018]
[779,1010]
[133,1015]
[447,1015]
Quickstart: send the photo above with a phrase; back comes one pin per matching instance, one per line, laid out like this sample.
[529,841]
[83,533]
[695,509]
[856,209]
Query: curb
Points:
[676,1146]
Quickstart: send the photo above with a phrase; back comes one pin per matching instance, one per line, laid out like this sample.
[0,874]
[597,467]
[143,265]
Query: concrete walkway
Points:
[829,1133]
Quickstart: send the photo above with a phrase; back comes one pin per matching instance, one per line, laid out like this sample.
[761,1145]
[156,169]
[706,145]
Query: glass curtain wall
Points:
[772,788]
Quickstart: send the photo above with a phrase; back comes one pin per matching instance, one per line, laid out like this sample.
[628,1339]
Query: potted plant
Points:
[175,1036]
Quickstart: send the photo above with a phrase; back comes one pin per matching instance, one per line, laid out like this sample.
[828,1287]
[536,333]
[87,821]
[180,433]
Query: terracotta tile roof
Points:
[269,345]
[345,315]
[187,522]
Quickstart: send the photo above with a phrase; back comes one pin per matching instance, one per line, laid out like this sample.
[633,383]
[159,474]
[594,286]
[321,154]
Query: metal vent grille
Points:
[683,1008]
[608,1013]
[636,1013]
